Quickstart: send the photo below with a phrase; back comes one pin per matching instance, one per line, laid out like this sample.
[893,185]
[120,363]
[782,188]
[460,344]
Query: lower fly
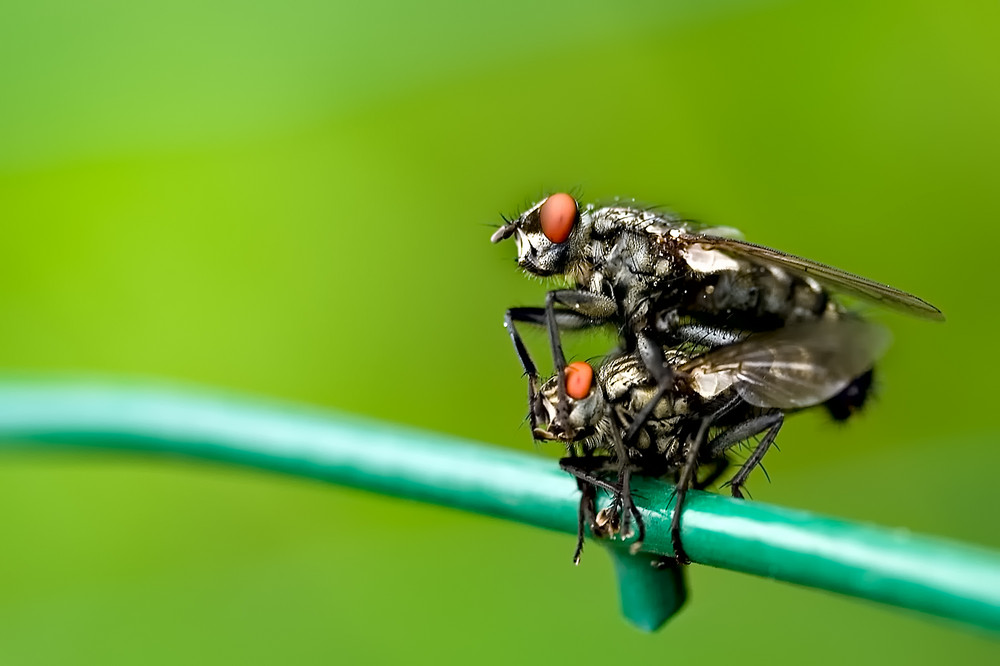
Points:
[673,411]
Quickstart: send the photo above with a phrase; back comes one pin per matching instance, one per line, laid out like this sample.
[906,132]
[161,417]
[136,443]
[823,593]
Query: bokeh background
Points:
[293,199]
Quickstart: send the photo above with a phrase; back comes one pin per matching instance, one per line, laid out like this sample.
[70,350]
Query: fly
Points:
[664,281]
[686,412]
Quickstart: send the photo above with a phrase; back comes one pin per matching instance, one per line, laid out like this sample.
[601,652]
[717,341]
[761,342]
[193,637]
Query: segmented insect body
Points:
[687,414]
[666,281]
[650,263]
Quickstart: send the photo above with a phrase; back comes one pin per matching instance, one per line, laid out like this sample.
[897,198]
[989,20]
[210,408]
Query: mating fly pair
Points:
[691,304]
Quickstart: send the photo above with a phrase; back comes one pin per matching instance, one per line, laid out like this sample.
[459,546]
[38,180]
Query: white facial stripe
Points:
[522,243]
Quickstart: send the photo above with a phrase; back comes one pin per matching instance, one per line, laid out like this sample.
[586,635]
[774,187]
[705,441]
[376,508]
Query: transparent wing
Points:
[834,278]
[797,366]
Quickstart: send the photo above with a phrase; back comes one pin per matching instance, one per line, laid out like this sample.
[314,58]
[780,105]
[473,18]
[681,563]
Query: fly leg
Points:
[668,323]
[626,506]
[587,511]
[530,370]
[739,433]
[585,472]
[593,308]
[539,317]
[652,357]
[588,482]
[586,515]
[707,336]
[683,482]
[687,475]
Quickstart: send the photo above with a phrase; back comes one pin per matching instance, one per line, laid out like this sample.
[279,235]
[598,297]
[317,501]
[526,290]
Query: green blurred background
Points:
[294,199]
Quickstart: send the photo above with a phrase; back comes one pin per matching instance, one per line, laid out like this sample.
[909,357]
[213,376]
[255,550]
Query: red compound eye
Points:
[557,216]
[579,379]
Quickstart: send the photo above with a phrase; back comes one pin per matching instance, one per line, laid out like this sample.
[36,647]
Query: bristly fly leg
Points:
[707,336]
[586,515]
[593,309]
[687,474]
[771,423]
[627,506]
[538,317]
[585,469]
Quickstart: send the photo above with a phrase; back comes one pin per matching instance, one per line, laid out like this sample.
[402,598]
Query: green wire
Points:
[891,566]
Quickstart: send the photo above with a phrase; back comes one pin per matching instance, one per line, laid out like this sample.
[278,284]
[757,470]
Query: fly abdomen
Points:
[852,399]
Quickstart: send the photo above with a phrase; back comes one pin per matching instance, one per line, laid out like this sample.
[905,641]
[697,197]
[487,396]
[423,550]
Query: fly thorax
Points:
[666,268]
[628,235]
[612,221]
[621,375]
[611,257]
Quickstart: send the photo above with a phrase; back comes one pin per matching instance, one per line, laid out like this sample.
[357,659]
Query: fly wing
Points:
[834,278]
[798,366]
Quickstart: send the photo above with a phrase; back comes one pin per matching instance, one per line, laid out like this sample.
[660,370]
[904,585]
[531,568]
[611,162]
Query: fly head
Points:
[587,406]
[550,235]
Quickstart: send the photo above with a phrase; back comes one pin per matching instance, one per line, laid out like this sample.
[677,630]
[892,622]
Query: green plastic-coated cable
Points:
[891,566]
